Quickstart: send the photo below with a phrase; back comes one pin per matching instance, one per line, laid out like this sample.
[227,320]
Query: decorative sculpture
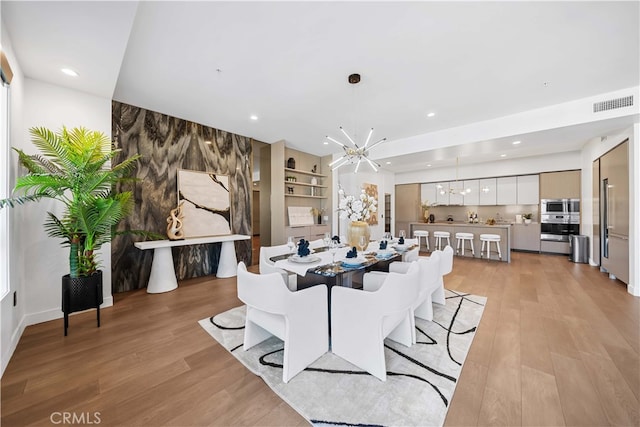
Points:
[174,223]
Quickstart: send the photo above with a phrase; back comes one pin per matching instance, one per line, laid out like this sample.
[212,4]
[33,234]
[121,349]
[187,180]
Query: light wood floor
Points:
[558,344]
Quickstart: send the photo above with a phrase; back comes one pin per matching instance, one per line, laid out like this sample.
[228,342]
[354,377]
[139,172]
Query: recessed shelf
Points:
[304,196]
[304,172]
[305,184]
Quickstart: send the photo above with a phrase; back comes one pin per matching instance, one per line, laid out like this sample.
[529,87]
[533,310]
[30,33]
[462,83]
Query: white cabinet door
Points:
[472,192]
[488,191]
[456,198]
[442,196]
[506,190]
[528,189]
[428,193]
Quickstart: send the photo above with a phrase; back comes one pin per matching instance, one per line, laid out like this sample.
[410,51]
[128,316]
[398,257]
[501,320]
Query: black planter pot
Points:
[81,293]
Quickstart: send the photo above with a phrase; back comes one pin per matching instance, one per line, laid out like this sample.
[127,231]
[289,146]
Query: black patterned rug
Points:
[420,379]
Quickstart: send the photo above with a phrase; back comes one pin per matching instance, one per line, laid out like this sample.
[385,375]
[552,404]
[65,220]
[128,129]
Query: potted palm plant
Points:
[74,168]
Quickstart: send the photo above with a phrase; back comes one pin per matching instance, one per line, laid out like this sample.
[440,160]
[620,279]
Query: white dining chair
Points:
[361,320]
[300,319]
[267,266]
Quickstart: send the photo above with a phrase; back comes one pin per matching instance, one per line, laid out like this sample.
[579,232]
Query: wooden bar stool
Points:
[488,238]
[417,234]
[463,237]
[439,235]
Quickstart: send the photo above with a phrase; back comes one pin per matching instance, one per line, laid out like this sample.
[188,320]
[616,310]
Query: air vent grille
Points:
[612,104]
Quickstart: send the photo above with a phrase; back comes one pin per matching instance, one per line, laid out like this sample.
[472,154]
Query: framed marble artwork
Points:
[206,203]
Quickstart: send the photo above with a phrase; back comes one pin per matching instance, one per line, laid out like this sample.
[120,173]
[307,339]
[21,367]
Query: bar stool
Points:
[422,233]
[488,238]
[439,235]
[463,237]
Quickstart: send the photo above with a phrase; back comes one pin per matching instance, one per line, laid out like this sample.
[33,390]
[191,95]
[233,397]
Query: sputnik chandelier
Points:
[355,153]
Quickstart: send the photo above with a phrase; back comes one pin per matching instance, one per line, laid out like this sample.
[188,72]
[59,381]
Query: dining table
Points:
[323,267]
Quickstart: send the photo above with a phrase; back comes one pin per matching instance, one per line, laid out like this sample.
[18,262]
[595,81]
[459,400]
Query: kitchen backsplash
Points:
[505,213]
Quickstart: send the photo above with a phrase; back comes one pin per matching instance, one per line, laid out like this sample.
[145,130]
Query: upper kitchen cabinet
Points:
[428,193]
[560,185]
[506,190]
[472,192]
[528,189]
[455,193]
[442,193]
[488,191]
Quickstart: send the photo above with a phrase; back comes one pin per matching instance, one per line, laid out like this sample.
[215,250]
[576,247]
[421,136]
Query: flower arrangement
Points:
[356,208]
[425,205]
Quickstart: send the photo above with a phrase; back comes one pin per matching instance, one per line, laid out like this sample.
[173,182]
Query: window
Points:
[4,189]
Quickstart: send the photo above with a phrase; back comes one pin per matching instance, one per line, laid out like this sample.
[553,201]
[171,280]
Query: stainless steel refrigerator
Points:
[614,211]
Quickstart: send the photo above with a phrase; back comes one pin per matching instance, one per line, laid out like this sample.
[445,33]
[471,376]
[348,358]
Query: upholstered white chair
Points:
[267,266]
[413,254]
[432,272]
[361,320]
[300,319]
[446,266]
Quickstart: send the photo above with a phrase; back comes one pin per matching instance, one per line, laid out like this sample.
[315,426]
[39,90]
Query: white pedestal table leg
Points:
[228,263]
[163,275]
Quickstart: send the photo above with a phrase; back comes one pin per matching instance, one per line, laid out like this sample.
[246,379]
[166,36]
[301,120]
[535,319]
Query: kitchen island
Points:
[503,230]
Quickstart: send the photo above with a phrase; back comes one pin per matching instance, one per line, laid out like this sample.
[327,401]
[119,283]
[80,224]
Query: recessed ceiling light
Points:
[326,143]
[431,114]
[388,163]
[69,72]
[253,117]
[516,142]
[429,165]
[503,155]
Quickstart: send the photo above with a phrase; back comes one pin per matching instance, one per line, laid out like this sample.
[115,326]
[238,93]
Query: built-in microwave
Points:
[560,206]
[554,206]
[573,206]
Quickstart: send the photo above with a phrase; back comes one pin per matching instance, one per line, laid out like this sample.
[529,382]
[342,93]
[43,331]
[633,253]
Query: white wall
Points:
[522,166]
[38,261]
[352,185]
[52,107]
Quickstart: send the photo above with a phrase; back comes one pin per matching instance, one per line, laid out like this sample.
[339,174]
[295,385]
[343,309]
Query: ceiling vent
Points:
[613,104]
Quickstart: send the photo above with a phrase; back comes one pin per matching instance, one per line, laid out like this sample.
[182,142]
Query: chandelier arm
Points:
[368,138]
[348,137]
[344,162]
[358,164]
[337,142]
[377,142]
[337,160]
[372,164]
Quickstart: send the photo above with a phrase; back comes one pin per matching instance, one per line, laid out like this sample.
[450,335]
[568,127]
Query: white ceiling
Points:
[217,63]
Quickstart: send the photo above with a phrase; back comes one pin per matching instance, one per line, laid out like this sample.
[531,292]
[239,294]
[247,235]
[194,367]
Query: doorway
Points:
[387,213]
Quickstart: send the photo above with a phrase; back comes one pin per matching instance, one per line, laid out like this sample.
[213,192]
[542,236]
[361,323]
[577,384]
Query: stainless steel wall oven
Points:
[559,219]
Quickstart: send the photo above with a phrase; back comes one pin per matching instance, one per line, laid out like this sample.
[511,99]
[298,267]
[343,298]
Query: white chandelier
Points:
[355,153]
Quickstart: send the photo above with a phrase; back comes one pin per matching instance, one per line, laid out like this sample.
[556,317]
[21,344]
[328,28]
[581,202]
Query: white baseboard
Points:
[56,313]
[15,338]
[35,318]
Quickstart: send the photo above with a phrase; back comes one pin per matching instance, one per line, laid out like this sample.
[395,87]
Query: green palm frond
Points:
[12,202]
[74,167]
[52,146]
[54,227]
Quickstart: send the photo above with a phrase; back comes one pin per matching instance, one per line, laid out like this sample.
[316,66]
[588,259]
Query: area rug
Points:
[420,379]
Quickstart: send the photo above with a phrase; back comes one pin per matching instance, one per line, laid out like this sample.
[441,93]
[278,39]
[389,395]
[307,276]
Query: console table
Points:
[163,275]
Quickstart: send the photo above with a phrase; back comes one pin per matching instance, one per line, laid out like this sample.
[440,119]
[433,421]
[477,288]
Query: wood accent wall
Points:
[167,144]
